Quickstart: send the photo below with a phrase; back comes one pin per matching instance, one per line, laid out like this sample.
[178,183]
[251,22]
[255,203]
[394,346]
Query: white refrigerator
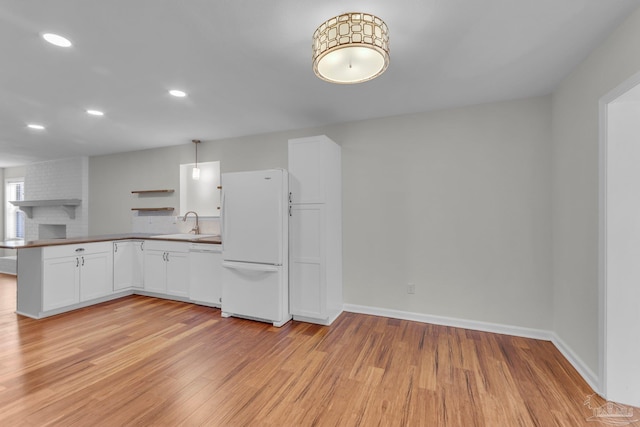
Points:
[255,251]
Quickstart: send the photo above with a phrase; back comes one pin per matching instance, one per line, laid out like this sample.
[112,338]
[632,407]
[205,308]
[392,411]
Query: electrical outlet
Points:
[411,288]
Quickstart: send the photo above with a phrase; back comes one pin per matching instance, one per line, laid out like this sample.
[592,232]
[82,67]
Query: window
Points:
[14,218]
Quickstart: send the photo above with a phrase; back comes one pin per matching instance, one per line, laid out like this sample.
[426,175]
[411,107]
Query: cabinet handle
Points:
[142,246]
[77,262]
[83,261]
[164,256]
[289,196]
[115,247]
[289,210]
[167,256]
[80,250]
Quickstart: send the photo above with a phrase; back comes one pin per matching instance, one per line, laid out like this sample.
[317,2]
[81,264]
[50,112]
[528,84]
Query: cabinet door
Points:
[155,275]
[306,174]
[96,275]
[122,265]
[306,261]
[60,284]
[205,271]
[137,265]
[177,273]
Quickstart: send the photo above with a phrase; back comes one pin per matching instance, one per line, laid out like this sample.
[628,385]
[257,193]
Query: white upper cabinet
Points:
[307,170]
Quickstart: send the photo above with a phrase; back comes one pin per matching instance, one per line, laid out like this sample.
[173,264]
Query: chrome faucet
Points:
[196,229]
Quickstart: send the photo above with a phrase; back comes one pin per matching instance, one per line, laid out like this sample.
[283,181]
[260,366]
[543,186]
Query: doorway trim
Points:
[604,101]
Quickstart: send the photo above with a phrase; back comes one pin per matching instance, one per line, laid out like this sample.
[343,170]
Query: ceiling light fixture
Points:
[35,126]
[56,40]
[195,173]
[95,112]
[351,48]
[177,93]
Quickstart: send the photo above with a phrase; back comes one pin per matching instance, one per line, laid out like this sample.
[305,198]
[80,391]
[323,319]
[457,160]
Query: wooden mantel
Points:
[69,205]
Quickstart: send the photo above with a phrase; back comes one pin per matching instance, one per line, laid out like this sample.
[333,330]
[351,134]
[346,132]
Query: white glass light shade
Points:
[177,93]
[351,48]
[195,174]
[56,40]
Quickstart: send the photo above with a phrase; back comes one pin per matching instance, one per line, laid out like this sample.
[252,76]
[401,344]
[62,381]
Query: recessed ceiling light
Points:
[35,126]
[56,39]
[178,93]
[95,112]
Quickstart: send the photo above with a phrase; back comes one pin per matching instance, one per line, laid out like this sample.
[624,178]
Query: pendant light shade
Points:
[195,173]
[351,48]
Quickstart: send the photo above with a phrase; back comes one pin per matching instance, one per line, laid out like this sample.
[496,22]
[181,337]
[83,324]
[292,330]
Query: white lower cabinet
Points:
[61,282]
[55,279]
[128,265]
[306,261]
[178,274]
[76,273]
[166,268]
[96,275]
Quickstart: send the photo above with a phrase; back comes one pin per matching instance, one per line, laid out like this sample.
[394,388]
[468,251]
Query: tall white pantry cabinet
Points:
[315,229]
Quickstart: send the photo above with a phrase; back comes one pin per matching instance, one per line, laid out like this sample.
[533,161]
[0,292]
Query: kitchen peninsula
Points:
[59,275]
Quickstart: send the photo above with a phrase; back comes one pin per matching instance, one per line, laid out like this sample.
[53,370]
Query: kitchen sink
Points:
[184,236]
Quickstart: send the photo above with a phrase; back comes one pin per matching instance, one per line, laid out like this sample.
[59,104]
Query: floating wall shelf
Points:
[151,191]
[152,209]
[69,205]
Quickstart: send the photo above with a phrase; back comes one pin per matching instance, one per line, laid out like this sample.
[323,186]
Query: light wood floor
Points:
[146,361]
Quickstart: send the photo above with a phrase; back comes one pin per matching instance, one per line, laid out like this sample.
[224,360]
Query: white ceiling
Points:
[246,65]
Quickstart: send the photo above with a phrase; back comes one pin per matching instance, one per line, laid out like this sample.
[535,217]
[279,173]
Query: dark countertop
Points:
[21,244]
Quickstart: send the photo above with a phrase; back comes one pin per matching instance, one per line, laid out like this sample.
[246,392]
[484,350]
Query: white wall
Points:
[58,179]
[113,177]
[575,187]
[15,172]
[456,201]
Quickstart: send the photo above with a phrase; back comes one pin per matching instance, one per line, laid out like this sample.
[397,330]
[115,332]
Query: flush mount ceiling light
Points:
[35,126]
[177,93]
[56,40]
[195,173]
[351,48]
[95,112]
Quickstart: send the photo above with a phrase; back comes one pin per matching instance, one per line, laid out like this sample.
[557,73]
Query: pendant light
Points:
[351,48]
[195,173]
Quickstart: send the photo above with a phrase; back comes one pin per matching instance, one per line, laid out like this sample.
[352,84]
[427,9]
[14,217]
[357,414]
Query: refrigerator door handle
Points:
[223,216]
[250,267]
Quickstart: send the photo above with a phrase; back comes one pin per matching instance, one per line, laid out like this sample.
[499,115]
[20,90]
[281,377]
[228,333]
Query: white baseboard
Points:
[496,328]
[587,374]
[324,322]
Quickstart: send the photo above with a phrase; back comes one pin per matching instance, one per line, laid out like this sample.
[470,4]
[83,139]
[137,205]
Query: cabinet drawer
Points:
[165,245]
[76,249]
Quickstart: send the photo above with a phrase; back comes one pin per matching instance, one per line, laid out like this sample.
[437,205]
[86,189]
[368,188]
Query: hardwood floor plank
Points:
[151,362]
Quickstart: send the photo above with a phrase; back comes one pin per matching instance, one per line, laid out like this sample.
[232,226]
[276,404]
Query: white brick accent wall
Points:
[58,179]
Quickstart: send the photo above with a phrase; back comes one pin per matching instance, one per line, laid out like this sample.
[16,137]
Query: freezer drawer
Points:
[255,291]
